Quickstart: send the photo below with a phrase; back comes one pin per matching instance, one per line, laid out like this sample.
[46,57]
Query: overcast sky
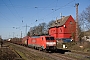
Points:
[18,13]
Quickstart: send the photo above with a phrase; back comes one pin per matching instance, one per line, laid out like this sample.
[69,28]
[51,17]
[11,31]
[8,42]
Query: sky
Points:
[16,14]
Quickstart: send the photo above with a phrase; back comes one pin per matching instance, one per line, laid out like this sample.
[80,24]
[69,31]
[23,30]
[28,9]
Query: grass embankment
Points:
[21,54]
[78,46]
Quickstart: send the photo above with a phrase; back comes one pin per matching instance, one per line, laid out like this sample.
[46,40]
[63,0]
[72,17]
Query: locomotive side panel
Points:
[40,42]
[37,42]
[33,42]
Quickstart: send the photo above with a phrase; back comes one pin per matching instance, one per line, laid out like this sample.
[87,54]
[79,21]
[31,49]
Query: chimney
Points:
[61,15]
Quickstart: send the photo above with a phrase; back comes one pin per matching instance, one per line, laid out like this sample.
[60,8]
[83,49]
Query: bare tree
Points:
[87,14]
[28,34]
[41,29]
[84,19]
[31,31]
[1,41]
[50,23]
[84,22]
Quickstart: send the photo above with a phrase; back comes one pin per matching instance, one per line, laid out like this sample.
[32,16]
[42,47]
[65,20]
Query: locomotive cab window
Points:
[49,38]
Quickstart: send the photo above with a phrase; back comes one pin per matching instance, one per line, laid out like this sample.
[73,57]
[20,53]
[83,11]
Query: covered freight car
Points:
[26,40]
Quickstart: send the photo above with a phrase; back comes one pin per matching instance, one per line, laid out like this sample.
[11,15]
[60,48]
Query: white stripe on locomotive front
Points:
[51,43]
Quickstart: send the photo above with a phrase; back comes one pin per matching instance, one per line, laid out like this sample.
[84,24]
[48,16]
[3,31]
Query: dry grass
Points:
[83,46]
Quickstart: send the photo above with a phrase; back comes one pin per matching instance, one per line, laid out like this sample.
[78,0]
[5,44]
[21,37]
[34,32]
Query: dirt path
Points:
[7,54]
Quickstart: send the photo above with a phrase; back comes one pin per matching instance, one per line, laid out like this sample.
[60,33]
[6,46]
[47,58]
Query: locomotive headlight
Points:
[50,43]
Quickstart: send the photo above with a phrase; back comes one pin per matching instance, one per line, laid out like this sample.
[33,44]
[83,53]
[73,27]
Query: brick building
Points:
[63,28]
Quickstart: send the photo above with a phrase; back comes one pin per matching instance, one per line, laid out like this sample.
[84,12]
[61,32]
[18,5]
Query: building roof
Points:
[60,22]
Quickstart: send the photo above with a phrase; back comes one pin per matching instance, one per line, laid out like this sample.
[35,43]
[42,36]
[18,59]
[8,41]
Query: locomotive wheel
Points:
[40,49]
[45,51]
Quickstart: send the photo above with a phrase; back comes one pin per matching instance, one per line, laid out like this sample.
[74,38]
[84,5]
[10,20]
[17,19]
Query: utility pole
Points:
[13,34]
[77,21]
[26,33]
[26,28]
[21,34]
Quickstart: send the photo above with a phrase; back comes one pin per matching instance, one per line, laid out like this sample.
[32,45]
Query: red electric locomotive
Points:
[40,42]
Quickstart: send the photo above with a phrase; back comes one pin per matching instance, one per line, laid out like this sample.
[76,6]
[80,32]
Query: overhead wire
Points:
[14,8]
[6,18]
[57,9]
[65,5]
[9,9]
[16,12]
[37,7]
[42,9]
[56,4]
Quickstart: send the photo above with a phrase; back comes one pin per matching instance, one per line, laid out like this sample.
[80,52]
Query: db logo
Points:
[34,41]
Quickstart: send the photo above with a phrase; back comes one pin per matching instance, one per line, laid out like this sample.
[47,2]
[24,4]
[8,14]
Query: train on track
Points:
[37,42]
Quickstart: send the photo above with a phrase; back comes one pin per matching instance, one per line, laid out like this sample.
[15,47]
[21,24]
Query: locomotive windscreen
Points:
[49,38]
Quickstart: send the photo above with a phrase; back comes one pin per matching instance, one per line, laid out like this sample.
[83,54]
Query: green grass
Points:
[22,55]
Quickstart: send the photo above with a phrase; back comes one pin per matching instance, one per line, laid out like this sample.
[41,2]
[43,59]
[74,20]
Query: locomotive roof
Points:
[61,21]
[35,36]
[40,36]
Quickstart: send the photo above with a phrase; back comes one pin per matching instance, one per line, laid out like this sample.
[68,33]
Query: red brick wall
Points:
[64,31]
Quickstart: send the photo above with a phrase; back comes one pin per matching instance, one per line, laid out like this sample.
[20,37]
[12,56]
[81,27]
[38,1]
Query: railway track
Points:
[79,55]
[79,52]
[72,56]
[43,55]
[63,57]
[32,54]
[19,56]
